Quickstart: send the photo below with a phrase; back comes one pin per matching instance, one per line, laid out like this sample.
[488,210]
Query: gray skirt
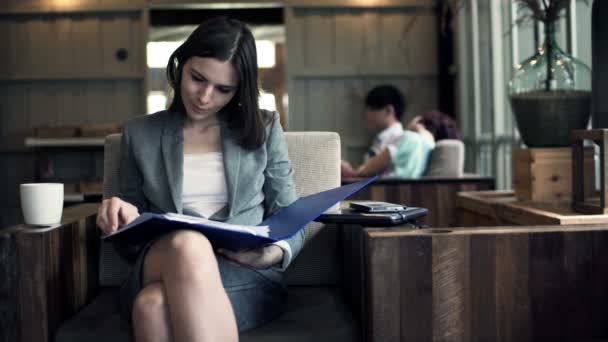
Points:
[257,296]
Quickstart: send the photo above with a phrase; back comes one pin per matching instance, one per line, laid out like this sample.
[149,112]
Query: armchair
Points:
[66,281]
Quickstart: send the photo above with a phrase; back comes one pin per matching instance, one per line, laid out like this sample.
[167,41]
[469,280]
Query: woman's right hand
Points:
[114,213]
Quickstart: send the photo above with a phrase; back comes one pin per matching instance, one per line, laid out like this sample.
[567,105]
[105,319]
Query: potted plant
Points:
[550,92]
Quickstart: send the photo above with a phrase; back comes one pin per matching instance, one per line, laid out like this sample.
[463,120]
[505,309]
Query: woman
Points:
[212,153]
[407,157]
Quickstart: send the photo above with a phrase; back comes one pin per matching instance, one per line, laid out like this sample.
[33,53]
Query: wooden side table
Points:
[60,278]
[501,208]
[472,284]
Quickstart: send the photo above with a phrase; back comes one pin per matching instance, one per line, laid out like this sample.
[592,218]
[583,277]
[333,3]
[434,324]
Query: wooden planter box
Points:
[545,174]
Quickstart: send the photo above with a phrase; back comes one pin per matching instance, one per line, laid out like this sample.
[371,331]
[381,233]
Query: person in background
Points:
[213,153]
[384,108]
[407,157]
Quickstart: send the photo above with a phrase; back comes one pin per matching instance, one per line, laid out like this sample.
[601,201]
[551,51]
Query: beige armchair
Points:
[66,285]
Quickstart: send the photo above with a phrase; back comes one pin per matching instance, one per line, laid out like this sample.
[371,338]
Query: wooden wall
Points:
[59,66]
[336,53]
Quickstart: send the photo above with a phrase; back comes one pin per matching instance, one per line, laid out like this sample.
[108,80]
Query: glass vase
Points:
[550,95]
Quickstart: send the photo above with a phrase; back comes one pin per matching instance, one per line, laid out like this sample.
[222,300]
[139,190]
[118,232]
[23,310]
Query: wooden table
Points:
[487,284]
[57,272]
[501,208]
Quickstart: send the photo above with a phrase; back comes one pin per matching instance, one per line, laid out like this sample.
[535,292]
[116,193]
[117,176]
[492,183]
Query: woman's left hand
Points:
[260,258]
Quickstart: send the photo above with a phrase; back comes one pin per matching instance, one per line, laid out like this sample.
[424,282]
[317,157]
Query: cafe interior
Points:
[511,246]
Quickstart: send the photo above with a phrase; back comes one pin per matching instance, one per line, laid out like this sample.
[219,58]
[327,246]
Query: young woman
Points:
[212,153]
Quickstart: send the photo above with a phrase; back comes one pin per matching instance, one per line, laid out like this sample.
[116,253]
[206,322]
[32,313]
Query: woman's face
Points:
[207,85]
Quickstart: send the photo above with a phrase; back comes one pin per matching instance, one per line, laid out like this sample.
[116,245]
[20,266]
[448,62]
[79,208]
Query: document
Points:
[282,225]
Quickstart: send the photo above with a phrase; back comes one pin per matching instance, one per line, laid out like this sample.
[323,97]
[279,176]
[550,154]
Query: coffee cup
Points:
[41,203]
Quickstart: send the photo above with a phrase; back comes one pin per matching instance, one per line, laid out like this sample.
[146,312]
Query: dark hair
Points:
[441,125]
[384,95]
[225,39]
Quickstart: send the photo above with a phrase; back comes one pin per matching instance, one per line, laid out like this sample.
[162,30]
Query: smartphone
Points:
[376,207]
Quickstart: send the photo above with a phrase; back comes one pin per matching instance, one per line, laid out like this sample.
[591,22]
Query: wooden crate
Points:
[545,174]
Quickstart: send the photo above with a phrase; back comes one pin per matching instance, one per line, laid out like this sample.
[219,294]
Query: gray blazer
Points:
[260,182]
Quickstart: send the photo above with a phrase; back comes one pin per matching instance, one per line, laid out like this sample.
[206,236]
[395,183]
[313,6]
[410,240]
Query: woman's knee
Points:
[188,247]
[150,305]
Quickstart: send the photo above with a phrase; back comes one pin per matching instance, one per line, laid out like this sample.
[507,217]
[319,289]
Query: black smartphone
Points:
[376,207]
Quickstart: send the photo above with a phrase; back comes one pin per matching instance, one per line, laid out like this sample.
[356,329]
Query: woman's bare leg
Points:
[199,307]
[151,315]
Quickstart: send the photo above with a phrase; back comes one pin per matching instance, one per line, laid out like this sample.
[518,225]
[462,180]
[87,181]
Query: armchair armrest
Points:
[47,274]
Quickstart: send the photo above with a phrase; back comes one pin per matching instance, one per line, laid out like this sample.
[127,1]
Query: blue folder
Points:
[283,225]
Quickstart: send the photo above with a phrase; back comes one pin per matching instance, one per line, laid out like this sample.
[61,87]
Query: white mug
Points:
[41,203]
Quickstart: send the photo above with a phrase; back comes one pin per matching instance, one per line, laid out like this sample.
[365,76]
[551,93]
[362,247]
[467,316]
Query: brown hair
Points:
[441,125]
[225,39]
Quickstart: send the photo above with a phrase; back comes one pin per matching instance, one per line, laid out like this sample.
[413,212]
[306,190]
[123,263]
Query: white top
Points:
[386,137]
[205,191]
[204,188]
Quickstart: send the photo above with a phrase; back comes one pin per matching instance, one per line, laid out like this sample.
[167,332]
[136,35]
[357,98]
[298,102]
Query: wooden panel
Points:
[120,32]
[351,48]
[294,37]
[40,45]
[511,284]
[437,195]
[45,6]
[319,39]
[507,210]
[14,111]
[321,102]
[451,289]
[356,3]
[65,36]
[349,100]
[401,34]
[7,57]
[298,106]
[23,56]
[86,37]
[512,298]
[26,105]
[348,43]
[63,46]
[372,41]
[483,293]
[382,283]
[54,274]
[422,94]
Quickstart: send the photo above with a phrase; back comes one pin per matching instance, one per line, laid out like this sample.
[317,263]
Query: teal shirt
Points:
[410,155]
